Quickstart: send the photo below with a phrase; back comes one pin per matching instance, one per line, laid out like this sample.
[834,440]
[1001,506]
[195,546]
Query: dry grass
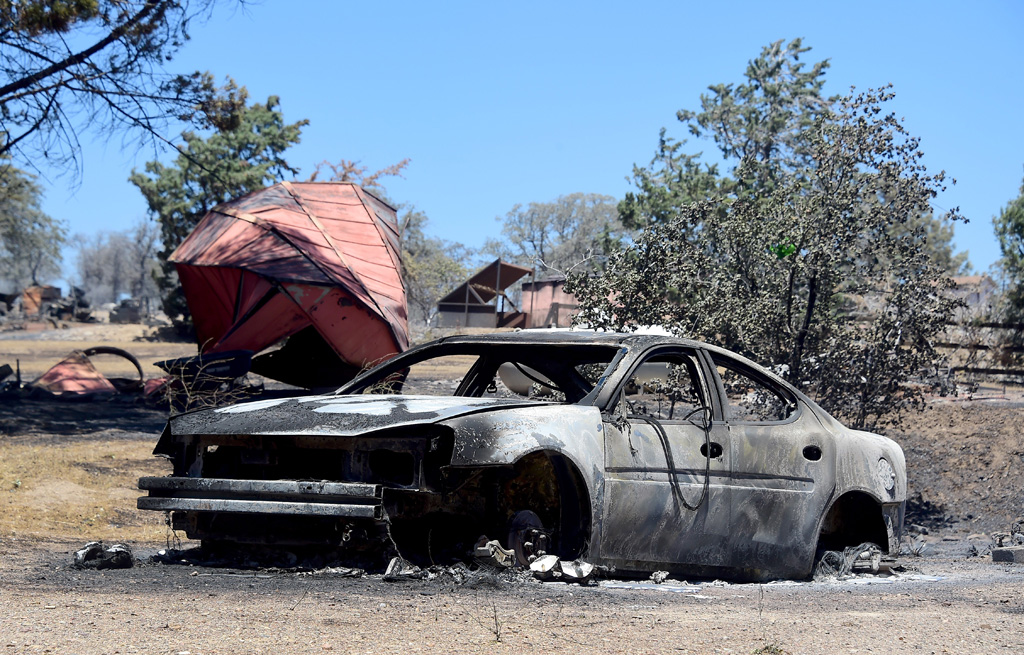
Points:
[38,349]
[81,490]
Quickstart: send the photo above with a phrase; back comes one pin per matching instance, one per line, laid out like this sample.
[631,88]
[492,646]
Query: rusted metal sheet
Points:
[34,297]
[76,375]
[641,453]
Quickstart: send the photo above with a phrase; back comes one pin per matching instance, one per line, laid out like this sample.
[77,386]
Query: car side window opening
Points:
[749,399]
[666,388]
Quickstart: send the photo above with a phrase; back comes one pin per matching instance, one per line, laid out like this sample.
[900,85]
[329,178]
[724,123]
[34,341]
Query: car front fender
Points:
[501,438]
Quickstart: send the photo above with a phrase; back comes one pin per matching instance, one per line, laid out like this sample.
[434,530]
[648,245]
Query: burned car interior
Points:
[544,373]
[636,452]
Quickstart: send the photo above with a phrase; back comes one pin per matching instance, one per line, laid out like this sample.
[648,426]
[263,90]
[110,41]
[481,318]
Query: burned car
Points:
[638,452]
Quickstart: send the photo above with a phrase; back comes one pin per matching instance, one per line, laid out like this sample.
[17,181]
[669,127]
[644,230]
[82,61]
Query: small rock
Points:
[659,576]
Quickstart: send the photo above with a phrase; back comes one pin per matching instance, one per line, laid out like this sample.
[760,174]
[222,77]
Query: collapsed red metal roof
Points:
[317,259]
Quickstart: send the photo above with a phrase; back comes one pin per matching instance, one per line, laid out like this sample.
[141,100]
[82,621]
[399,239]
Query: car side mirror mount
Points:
[617,413]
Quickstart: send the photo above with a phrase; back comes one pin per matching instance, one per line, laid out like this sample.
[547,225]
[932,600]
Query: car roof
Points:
[635,341]
[557,337]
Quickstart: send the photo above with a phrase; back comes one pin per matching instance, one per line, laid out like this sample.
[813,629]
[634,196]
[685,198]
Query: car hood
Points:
[333,415]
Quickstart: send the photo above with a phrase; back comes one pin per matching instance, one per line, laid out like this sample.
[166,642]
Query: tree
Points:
[240,157]
[112,264]
[814,258]
[1009,226]
[766,124]
[431,267]
[348,170]
[67,65]
[558,235]
[30,241]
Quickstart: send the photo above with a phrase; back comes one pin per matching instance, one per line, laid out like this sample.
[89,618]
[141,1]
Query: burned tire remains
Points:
[852,520]
[547,485]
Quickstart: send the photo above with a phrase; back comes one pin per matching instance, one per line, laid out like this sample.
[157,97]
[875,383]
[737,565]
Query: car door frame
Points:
[644,524]
[781,485]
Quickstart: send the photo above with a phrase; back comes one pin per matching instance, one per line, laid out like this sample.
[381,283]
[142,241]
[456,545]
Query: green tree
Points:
[30,241]
[817,262]
[763,129]
[69,65]
[1009,226]
[558,235]
[242,156]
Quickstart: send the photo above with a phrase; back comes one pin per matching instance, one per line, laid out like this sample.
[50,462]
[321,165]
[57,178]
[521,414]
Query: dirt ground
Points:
[39,347]
[947,603]
[68,472]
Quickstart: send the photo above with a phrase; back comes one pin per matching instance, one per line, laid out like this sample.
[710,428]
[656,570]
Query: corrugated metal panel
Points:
[331,235]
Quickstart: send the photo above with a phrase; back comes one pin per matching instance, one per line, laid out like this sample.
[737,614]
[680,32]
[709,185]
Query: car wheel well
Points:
[549,484]
[853,519]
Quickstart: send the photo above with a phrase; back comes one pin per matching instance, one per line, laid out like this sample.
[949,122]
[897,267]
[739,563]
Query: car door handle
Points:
[716,450]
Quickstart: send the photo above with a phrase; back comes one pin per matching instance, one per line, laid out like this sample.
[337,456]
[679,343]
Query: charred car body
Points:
[635,451]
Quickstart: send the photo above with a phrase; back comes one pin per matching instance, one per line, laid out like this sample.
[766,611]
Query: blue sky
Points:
[498,104]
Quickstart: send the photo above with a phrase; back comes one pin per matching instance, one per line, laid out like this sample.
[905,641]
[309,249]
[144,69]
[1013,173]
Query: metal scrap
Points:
[94,556]
[399,570]
[546,568]
[493,554]
[550,567]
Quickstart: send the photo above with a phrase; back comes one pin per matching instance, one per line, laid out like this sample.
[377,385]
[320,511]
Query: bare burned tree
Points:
[348,170]
[112,264]
[70,65]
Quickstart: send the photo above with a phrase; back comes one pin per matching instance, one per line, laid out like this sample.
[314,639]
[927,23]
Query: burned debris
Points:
[43,303]
[94,555]
[1010,545]
[76,377]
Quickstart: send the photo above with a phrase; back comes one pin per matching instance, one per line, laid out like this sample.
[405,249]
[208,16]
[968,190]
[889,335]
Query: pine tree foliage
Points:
[1009,226]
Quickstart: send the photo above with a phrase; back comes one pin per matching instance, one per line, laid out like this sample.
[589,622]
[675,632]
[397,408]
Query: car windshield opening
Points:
[542,372]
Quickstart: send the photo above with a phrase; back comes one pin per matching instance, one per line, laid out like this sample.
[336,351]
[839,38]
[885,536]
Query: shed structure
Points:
[482,302]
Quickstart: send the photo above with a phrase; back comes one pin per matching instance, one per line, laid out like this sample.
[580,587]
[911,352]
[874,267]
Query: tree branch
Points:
[75,59]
